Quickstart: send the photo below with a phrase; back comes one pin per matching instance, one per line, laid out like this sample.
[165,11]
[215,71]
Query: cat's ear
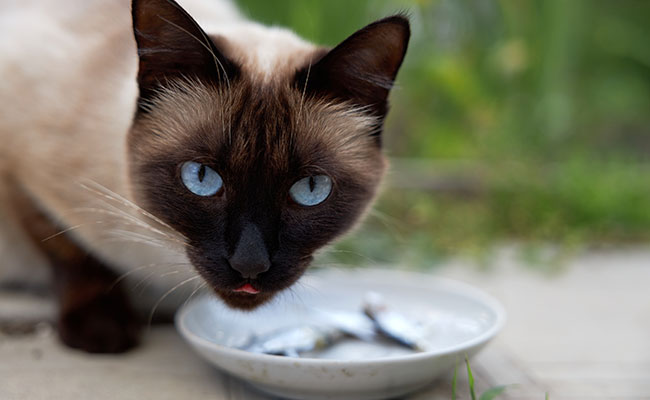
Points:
[363,67]
[171,45]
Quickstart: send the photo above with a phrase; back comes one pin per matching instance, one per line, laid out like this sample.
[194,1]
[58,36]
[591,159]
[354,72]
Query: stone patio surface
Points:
[582,333]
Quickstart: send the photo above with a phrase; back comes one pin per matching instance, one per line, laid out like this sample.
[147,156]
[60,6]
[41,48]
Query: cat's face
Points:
[257,174]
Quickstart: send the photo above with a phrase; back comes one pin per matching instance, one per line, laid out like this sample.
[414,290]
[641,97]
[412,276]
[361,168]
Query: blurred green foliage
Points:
[548,100]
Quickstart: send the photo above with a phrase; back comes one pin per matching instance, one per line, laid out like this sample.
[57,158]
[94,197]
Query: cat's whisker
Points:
[196,290]
[107,240]
[127,274]
[392,224]
[133,240]
[124,217]
[126,240]
[140,268]
[130,220]
[335,266]
[367,258]
[295,296]
[304,90]
[62,232]
[72,228]
[170,273]
[127,216]
[299,117]
[167,293]
[142,237]
[142,281]
[118,214]
[218,64]
[302,283]
[117,235]
[138,234]
[385,217]
[205,44]
[111,195]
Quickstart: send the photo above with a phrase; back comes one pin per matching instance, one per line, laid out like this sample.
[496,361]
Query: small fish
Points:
[352,323]
[394,325]
[329,326]
[292,341]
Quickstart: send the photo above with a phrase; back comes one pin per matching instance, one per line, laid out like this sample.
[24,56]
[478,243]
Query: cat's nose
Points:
[250,257]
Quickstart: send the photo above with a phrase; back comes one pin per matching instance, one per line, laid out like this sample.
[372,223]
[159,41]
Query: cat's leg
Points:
[94,313]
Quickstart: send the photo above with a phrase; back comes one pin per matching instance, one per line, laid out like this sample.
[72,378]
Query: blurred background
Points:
[513,122]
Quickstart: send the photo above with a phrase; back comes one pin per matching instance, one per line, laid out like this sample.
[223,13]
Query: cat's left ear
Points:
[172,46]
[363,67]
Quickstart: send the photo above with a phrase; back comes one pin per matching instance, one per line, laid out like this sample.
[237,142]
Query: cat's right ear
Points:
[361,69]
[171,46]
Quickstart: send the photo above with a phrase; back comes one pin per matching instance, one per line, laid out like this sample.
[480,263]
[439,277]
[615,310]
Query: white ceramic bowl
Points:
[465,319]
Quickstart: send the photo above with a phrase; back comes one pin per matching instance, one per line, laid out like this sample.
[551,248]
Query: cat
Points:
[217,152]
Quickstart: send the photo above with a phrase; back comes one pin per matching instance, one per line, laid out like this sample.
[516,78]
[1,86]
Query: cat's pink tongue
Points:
[247,288]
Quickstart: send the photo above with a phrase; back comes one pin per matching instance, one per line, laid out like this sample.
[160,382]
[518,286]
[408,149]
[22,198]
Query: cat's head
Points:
[257,168]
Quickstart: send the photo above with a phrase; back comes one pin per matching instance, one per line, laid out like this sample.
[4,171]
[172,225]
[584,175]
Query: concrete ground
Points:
[583,333]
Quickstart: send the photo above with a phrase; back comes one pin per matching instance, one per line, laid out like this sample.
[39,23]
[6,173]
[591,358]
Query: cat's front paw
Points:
[105,324]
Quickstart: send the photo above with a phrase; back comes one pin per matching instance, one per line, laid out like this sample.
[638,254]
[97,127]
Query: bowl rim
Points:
[463,288]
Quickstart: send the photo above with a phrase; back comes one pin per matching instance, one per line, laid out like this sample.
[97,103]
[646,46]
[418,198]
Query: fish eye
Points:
[311,190]
[200,179]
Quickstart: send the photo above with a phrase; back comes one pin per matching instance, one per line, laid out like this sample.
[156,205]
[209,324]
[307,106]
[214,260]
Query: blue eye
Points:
[200,179]
[311,190]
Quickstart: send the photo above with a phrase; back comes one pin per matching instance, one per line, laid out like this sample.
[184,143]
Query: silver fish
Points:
[292,341]
[352,323]
[394,325]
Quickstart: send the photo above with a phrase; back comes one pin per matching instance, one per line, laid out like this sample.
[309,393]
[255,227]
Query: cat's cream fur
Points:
[67,99]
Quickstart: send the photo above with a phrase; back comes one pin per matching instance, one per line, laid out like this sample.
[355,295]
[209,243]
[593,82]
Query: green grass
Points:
[470,379]
[559,204]
[552,112]
[488,394]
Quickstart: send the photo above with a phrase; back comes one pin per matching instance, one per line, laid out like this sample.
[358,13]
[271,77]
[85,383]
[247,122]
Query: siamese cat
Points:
[181,144]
